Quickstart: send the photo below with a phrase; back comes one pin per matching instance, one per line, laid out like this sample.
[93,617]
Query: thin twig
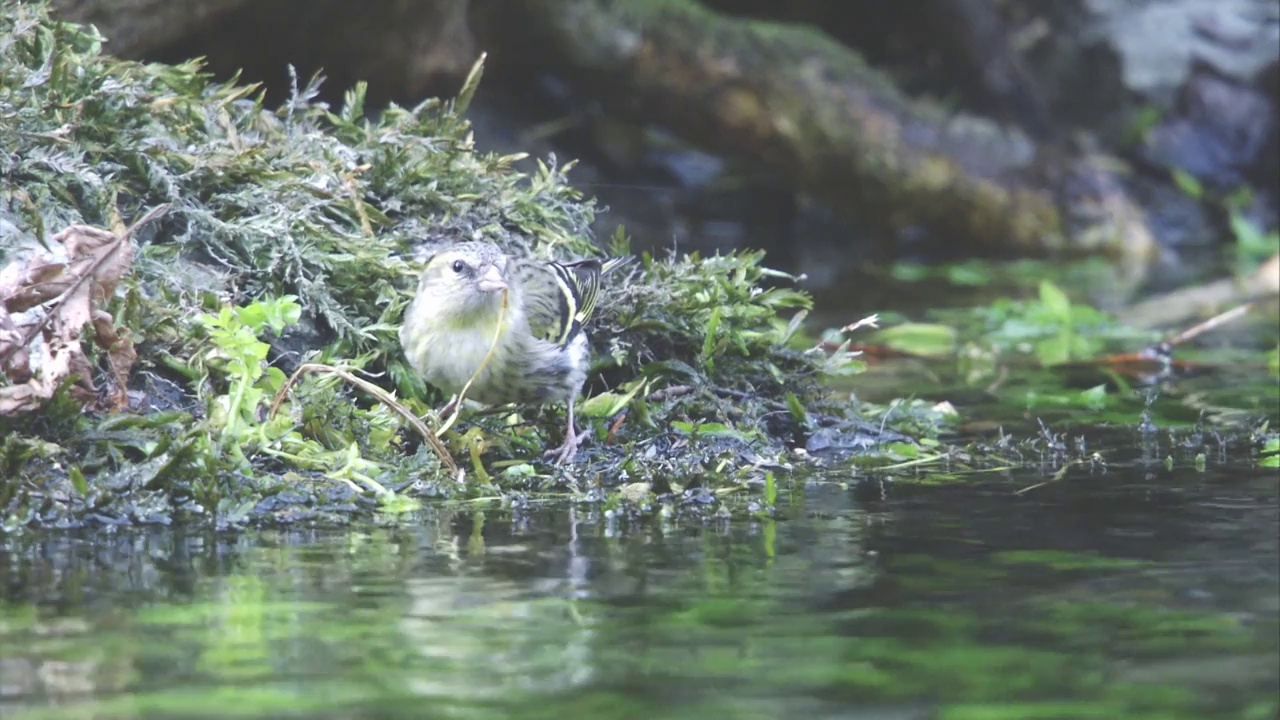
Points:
[1213,322]
[381,395]
[1057,476]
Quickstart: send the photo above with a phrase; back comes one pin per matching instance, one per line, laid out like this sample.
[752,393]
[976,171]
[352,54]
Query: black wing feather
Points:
[562,296]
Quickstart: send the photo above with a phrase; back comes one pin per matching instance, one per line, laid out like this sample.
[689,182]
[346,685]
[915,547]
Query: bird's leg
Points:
[448,414]
[572,440]
[448,407]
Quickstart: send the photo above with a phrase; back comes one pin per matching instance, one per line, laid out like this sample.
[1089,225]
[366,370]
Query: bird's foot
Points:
[568,449]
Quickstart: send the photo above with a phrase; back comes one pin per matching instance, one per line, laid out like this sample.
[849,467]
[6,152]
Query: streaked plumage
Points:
[542,355]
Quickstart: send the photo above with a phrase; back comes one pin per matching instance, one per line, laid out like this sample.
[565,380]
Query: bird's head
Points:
[465,280]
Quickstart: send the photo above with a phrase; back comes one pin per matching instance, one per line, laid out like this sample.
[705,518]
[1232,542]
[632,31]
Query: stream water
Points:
[1144,591]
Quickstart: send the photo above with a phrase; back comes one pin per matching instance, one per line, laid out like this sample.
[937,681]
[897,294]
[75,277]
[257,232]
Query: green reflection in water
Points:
[915,606]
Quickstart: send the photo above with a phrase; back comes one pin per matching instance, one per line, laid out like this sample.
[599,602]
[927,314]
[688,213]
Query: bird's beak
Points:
[491,280]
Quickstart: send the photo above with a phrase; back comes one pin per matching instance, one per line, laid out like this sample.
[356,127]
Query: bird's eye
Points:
[459,266]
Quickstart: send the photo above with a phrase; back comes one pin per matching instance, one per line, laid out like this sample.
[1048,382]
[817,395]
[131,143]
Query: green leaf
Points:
[274,379]
[909,272]
[1054,351]
[353,103]
[1095,398]
[677,371]
[397,504]
[919,338]
[1141,124]
[78,480]
[253,316]
[709,342]
[1247,235]
[1055,301]
[608,404]
[709,429]
[1272,459]
[1252,245]
[797,410]
[903,450]
[519,472]
[1188,183]
[469,86]
[282,312]
[792,326]
[974,273]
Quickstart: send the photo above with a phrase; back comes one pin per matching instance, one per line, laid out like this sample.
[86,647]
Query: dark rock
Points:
[1218,133]
[281,501]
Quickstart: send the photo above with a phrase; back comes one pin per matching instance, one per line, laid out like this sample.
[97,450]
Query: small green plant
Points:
[236,350]
[245,429]
[1053,328]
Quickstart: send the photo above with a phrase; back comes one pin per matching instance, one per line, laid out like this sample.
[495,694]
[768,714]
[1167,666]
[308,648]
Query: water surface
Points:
[1138,592]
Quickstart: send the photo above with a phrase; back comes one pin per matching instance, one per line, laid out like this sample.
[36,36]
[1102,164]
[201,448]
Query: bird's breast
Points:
[522,368]
[449,359]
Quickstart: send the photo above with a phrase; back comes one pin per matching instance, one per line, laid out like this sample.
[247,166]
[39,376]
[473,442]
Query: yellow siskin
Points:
[542,354]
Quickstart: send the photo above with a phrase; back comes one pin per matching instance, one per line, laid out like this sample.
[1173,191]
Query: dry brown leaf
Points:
[18,368]
[26,285]
[120,353]
[74,291]
[40,387]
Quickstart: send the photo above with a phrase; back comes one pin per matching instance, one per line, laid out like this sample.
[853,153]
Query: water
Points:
[1141,592]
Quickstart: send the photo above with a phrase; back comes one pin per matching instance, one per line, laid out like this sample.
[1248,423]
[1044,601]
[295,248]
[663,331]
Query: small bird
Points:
[541,355]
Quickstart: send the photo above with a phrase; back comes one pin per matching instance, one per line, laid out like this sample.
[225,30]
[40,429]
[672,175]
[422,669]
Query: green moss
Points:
[327,206]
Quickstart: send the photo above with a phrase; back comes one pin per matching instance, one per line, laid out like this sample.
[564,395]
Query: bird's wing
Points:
[560,297]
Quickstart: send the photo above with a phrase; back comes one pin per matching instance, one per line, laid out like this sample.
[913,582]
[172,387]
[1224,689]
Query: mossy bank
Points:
[290,238]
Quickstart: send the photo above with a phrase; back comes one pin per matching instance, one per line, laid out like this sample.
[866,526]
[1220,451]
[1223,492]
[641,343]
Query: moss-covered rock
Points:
[312,213]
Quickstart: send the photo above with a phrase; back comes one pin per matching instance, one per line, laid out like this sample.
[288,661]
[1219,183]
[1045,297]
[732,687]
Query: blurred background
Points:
[841,137]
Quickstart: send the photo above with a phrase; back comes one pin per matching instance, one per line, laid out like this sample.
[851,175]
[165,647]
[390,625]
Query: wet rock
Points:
[1159,42]
[851,437]
[289,499]
[1103,61]
[1218,132]
[698,496]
